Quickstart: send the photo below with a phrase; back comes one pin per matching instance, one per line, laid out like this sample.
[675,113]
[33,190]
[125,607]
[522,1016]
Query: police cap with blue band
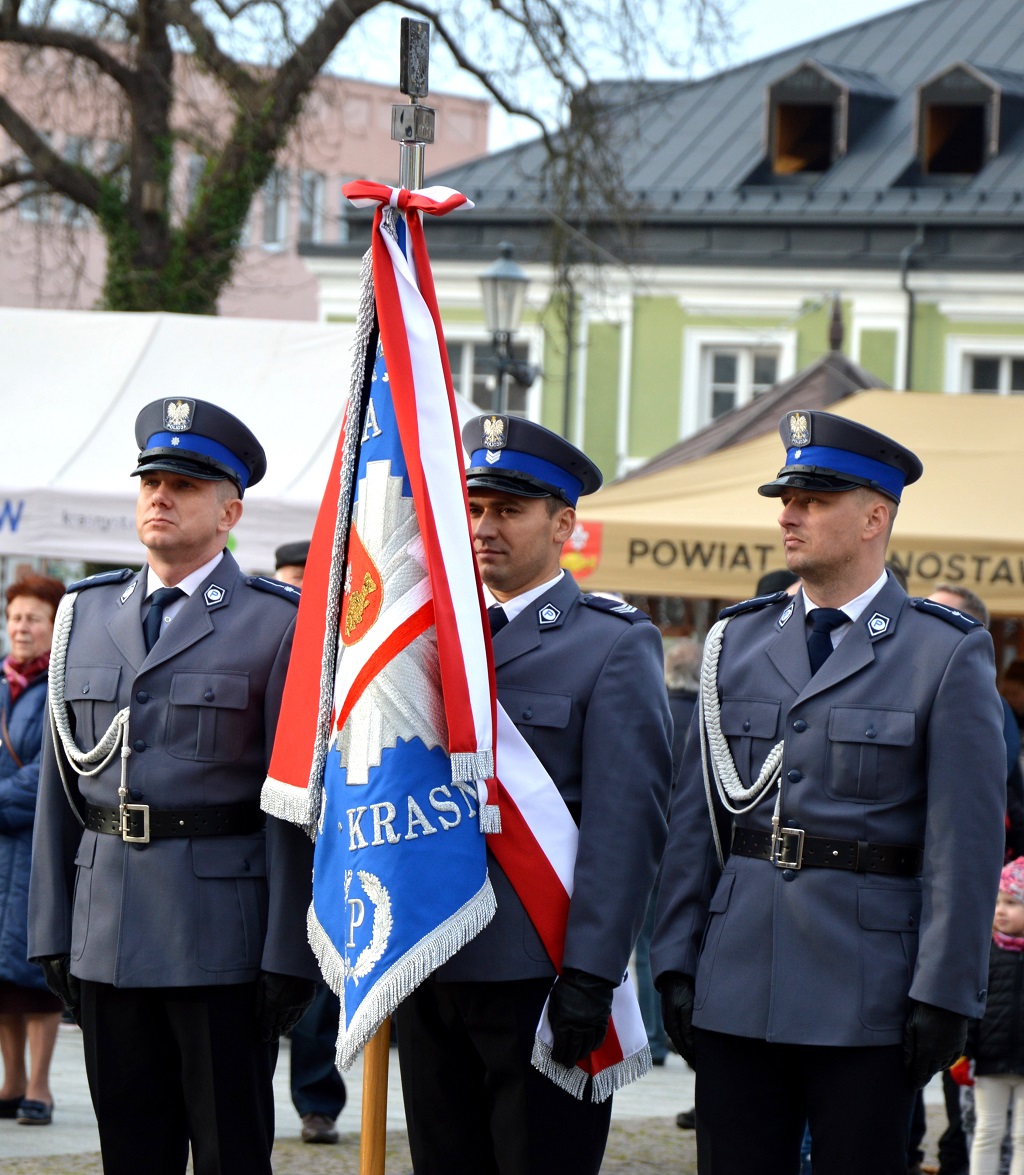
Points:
[197,439]
[519,457]
[828,454]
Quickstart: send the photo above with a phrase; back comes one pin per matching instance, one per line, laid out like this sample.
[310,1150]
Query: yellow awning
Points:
[702,529]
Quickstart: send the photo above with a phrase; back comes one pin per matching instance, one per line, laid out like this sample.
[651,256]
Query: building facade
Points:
[53,257]
[883,165]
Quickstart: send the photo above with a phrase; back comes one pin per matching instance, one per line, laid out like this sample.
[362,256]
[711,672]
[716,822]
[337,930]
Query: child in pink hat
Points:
[996,1042]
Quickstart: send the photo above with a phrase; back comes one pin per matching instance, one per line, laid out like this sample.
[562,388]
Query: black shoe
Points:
[318,1128]
[686,1120]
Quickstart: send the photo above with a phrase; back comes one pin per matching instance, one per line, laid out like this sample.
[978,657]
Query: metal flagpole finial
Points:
[413,125]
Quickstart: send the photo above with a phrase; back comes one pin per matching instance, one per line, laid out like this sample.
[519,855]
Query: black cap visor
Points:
[512,482]
[173,461]
[816,479]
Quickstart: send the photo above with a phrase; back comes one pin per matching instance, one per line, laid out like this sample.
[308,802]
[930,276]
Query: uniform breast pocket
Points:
[750,725]
[91,691]
[538,714]
[868,759]
[206,719]
[231,901]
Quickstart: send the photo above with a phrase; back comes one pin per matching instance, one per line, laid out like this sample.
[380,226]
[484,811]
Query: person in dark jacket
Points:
[29,1013]
[996,1042]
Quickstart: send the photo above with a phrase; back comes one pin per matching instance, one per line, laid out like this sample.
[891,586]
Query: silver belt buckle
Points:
[787,848]
[125,834]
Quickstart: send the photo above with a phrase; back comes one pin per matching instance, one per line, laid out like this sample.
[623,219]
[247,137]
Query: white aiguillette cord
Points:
[714,746]
[115,737]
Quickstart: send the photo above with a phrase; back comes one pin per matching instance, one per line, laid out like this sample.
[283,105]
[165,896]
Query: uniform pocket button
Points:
[746,725]
[795,776]
[139,745]
[527,713]
[789,875]
[85,688]
[209,695]
[799,726]
[142,697]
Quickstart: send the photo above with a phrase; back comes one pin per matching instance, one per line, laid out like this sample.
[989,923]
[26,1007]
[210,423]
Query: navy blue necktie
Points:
[151,626]
[497,617]
[819,643]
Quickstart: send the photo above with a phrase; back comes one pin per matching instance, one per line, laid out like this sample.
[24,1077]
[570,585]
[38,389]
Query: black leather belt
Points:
[142,823]
[792,848]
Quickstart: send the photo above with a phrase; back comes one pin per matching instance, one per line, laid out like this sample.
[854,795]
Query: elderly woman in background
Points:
[28,1012]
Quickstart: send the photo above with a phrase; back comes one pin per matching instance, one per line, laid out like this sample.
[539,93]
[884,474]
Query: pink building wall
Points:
[51,257]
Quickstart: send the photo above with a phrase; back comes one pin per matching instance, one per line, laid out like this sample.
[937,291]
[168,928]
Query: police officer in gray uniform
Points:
[856,781]
[581,677]
[166,910]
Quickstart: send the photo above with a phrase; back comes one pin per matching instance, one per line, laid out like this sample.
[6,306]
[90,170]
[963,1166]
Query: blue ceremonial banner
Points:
[400,869]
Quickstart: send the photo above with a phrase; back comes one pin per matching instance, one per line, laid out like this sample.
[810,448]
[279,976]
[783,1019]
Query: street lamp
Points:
[504,291]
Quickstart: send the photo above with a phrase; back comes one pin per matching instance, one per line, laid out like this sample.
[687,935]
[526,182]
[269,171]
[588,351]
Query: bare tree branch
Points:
[485,77]
[74,43]
[47,165]
[234,76]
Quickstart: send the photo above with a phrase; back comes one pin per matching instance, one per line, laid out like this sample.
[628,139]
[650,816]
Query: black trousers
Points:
[317,1086]
[753,1099]
[174,1066]
[474,1104]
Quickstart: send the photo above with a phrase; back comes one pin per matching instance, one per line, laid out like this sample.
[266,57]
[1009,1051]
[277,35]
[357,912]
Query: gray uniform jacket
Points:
[897,740]
[177,912]
[585,687]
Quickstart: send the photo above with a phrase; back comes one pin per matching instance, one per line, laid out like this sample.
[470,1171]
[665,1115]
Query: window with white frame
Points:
[275,209]
[474,366]
[311,206]
[194,177]
[994,375]
[345,210]
[36,201]
[733,376]
[78,151]
[726,367]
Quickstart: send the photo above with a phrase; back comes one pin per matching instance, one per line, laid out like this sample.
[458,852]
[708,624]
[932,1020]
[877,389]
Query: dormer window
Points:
[964,115]
[814,114]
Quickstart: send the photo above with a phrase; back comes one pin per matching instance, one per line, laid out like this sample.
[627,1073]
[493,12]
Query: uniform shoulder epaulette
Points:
[276,588]
[951,615]
[615,607]
[753,605]
[103,577]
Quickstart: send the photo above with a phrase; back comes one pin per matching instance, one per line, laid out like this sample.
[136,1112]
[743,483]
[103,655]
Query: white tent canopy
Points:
[73,382]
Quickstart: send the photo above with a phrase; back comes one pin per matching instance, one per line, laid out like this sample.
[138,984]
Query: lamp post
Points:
[504,291]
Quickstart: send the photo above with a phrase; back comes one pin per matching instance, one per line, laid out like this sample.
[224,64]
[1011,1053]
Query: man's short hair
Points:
[970,602]
[682,664]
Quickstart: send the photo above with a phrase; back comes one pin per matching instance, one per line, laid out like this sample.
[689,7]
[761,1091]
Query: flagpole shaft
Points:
[375,1102]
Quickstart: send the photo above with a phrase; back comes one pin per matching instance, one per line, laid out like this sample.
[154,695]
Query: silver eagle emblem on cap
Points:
[799,430]
[495,429]
[178,415]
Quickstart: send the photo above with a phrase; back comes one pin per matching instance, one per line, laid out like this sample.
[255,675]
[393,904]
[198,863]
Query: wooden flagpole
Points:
[412,126]
[374,1122]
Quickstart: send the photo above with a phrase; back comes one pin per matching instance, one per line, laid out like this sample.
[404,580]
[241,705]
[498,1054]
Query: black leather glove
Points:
[933,1038]
[578,1010]
[280,1002]
[677,1012]
[64,985]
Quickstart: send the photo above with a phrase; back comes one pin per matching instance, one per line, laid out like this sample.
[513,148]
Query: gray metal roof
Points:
[689,148]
